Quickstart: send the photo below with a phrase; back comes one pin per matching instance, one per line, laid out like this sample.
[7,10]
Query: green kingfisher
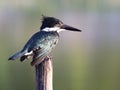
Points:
[42,42]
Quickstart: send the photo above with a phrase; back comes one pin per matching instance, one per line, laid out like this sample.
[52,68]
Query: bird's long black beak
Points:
[67,27]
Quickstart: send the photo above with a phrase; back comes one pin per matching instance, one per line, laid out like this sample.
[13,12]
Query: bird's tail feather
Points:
[17,55]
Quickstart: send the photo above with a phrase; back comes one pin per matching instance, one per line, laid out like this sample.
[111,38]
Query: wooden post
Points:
[44,75]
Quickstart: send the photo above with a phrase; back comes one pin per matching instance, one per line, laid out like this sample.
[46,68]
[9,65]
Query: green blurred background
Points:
[82,61]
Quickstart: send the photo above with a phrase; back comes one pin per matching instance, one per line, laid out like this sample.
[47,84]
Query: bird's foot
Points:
[48,57]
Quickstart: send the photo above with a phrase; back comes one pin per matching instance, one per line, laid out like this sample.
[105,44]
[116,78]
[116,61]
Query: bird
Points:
[41,43]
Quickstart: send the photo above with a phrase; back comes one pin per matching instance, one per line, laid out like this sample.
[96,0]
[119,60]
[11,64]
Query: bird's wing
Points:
[43,45]
[42,40]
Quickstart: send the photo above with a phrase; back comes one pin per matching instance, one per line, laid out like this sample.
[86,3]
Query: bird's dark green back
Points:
[46,41]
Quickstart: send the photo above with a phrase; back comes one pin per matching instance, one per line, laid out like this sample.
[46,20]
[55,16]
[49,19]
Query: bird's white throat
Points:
[47,29]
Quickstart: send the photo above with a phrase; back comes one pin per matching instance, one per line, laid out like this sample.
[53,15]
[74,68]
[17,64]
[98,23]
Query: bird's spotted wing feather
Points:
[43,45]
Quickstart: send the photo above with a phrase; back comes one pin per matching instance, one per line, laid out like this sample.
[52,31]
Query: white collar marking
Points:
[52,29]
